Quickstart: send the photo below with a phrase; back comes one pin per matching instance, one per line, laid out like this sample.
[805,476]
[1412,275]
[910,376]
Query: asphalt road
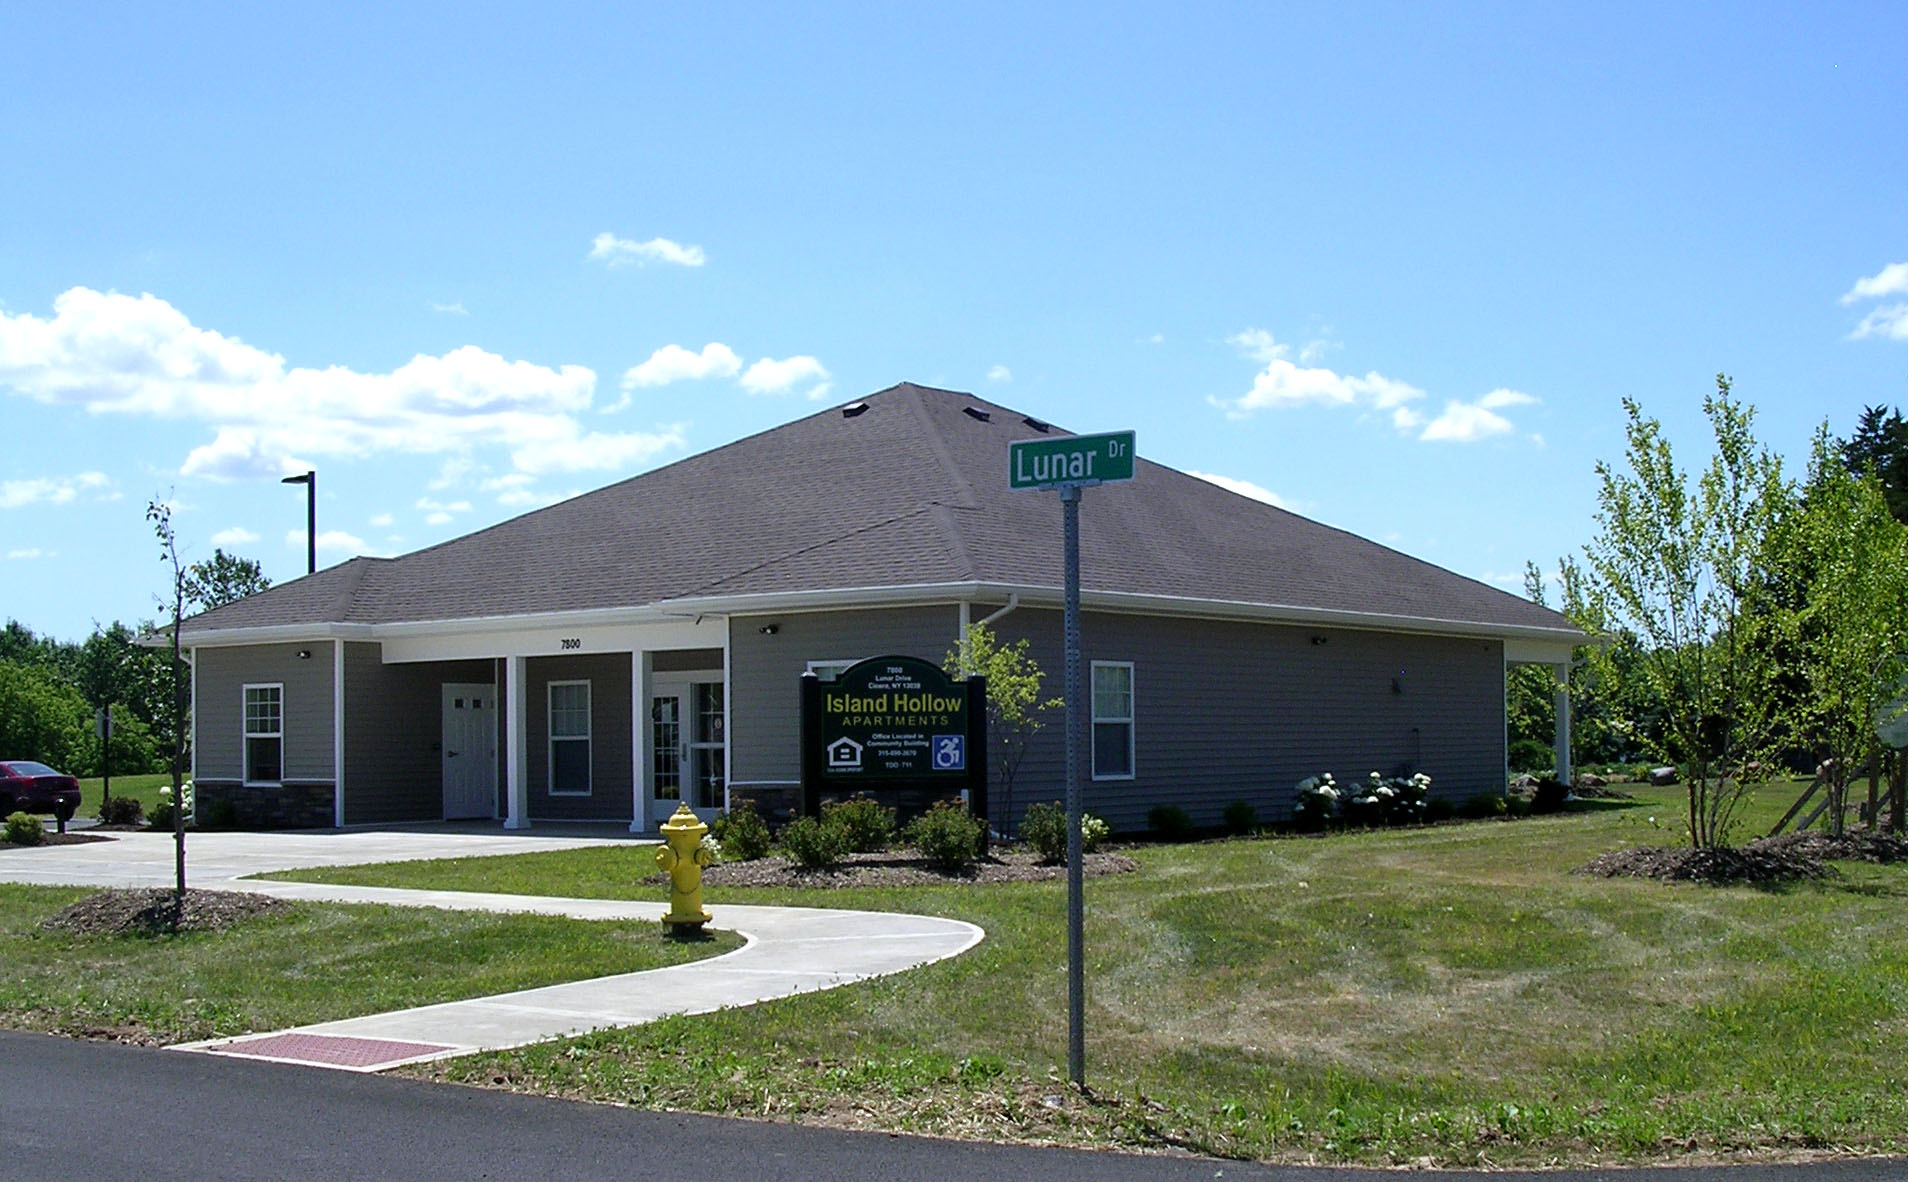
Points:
[71,1109]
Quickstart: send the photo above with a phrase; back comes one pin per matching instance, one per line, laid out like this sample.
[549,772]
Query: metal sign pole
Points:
[1076,909]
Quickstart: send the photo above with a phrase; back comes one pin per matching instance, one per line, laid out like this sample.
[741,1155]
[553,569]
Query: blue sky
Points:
[1394,265]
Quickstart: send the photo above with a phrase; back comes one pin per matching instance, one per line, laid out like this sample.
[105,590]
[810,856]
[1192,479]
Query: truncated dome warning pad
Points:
[331,1050]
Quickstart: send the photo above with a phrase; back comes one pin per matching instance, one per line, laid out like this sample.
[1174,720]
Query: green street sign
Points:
[1076,460]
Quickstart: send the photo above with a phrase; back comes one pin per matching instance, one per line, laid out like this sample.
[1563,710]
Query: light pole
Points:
[310,481]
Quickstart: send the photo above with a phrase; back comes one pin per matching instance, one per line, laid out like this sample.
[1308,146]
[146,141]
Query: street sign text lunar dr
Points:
[1071,460]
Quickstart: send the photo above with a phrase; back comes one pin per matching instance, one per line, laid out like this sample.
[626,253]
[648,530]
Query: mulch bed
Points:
[150,911]
[1771,861]
[51,838]
[905,868]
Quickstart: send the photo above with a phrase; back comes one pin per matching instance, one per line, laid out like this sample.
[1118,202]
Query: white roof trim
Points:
[835,599]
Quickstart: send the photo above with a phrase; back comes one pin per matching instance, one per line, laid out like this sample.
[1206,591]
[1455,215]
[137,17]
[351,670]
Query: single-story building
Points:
[641,646]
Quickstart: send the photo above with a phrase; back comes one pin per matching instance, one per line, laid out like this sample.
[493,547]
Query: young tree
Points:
[159,514]
[1014,704]
[1679,568]
[1848,633]
[223,578]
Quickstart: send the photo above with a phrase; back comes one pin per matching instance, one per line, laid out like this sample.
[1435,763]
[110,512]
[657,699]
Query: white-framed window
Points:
[827,671]
[265,733]
[1112,720]
[569,738]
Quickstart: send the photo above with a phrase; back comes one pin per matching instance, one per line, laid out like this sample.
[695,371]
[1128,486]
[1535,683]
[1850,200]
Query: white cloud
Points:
[769,376]
[456,309]
[114,354]
[1244,488]
[673,363]
[335,540]
[514,492]
[1000,373]
[29,553]
[619,252]
[382,521]
[1158,338]
[1500,398]
[570,450]
[49,490]
[1889,320]
[440,512]
[1890,280]
[1465,422]
[1258,344]
[1281,384]
[238,535]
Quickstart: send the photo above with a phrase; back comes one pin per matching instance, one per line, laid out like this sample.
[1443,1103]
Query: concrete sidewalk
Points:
[789,950]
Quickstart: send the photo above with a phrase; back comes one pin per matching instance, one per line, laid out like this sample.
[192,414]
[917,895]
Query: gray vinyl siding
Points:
[221,675]
[612,773]
[394,730]
[1240,711]
[765,673]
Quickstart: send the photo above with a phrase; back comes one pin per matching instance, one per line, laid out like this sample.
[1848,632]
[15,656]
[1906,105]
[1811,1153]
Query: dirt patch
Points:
[151,911]
[904,868]
[1717,867]
[57,839]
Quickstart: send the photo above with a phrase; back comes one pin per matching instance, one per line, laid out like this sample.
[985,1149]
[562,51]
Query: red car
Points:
[29,787]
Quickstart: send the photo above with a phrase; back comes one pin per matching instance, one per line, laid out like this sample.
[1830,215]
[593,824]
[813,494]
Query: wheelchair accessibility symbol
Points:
[950,753]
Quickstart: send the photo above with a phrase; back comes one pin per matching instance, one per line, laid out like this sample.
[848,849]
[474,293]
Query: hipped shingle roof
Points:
[912,491]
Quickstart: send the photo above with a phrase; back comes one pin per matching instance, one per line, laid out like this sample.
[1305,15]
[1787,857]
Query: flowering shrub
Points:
[1044,827]
[161,815]
[708,850]
[1315,801]
[947,836]
[24,829]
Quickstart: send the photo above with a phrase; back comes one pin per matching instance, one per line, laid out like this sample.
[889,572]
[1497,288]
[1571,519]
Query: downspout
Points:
[1013,601]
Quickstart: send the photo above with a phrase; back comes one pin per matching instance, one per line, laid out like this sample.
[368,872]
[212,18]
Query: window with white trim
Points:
[569,738]
[1112,720]
[827,671]
[265,733]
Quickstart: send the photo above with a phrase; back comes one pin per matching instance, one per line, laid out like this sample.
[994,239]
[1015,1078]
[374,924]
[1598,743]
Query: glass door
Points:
[708,765]
[688,748]
[665,753]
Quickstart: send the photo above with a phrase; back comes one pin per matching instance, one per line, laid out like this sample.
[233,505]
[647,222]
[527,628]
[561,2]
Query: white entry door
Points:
[470,750]
[687,752]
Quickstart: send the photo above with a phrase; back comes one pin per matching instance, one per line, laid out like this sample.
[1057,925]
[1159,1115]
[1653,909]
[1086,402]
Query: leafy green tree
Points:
[43,717]
[223,578]
[1014,704]
[1847,636]
[1679,568]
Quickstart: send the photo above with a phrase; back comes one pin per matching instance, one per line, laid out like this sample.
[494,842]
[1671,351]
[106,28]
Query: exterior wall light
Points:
[769,629]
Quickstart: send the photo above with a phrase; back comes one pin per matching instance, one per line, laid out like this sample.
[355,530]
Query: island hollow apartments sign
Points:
[894,724]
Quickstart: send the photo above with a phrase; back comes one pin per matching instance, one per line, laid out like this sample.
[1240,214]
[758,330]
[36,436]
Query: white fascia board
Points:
[1120,601]
[275,634]
[567,637]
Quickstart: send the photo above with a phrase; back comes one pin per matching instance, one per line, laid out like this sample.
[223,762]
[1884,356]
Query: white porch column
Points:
[639,757]
[1562,742]
[517,726]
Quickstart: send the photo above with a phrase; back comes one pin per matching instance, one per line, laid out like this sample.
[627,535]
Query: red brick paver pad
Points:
[330,1050]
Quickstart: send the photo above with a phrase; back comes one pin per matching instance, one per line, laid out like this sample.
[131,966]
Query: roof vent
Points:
[1037,425]
[975,412]
[853,409]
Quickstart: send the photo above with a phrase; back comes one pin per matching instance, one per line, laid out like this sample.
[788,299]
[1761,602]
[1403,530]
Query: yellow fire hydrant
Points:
[683,856]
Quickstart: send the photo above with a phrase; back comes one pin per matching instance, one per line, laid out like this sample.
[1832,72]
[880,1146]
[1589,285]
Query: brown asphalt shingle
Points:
[912,491]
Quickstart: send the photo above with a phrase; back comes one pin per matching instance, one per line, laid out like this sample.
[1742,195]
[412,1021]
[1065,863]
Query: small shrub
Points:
[161,815]
[868,823]
[814,844]
[743,833]
[947,836]
[1169,822]
[1530,755]
[121,810]
[1484,806]
[1550,796]
[1241,817]
[1402,799]
[1044,827]
[217,814]
[1516,806]
[24,829]
[1439,809]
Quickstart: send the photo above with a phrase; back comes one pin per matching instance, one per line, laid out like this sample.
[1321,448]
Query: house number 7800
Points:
[570,642]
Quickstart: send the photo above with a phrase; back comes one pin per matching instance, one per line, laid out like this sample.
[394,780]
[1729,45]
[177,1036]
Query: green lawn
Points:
[145,788]
[1454,993]
[314,963]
